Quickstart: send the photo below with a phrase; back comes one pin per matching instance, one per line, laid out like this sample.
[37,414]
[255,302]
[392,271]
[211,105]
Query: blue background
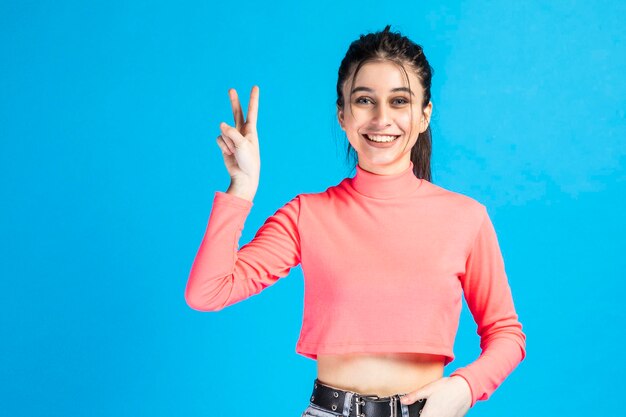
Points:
[108,118]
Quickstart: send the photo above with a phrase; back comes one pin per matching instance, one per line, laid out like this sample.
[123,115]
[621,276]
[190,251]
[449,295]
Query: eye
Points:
[366,100]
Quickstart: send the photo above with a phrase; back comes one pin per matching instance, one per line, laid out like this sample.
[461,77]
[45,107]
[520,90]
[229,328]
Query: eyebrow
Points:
[393,90]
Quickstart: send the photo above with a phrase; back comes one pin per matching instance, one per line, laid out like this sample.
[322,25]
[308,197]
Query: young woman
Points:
[386,255]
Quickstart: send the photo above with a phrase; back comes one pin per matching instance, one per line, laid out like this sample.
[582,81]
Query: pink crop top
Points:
[390,252]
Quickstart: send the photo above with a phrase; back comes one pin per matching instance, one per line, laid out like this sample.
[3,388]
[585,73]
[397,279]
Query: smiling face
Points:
[377,116]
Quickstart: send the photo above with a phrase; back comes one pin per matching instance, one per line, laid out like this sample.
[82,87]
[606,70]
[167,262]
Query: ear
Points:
[428,110]
[340,117]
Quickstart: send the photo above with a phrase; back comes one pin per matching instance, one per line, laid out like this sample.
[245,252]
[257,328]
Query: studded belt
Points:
[360,405]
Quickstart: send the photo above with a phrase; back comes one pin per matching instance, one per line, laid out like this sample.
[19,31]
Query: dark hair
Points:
[391,46]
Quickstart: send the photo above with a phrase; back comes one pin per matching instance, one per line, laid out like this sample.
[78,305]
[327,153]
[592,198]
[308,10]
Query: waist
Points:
[381,374]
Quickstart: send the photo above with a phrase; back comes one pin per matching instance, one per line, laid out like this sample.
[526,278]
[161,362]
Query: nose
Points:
[382,116]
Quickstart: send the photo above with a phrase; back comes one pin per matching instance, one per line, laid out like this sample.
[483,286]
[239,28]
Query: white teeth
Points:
[381,138]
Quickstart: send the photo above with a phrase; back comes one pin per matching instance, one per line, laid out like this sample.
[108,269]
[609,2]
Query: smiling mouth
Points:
[381,138]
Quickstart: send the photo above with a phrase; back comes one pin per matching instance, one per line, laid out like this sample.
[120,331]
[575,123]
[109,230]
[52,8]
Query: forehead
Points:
[383,76]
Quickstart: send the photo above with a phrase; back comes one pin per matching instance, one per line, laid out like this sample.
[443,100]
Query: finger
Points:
[414,396]
[236,106]
[253,107]
[231,134]
[223,146]
[229,143]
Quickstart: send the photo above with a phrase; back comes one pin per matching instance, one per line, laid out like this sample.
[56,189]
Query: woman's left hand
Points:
[445,397]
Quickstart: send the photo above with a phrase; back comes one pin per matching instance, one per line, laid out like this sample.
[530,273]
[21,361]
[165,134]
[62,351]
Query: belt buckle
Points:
[360,400]
[392,404]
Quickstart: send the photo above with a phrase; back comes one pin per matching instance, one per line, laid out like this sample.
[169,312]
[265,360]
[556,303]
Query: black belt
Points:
[360,405]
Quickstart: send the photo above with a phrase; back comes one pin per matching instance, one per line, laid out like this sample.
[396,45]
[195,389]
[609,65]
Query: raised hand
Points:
[240,146]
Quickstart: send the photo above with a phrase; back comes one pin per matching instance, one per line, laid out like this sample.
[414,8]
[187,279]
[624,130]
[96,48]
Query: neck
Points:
[382,186]
[391,169]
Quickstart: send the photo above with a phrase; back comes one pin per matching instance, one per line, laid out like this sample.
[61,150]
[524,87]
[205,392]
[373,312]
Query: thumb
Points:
[232,133]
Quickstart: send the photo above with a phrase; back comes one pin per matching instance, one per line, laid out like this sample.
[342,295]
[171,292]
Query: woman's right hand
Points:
[240,146]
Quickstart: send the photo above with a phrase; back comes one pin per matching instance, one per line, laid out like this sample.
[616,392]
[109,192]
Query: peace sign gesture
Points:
[240,146]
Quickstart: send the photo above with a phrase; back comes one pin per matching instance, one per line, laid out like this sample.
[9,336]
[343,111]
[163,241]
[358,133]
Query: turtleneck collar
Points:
[385,186]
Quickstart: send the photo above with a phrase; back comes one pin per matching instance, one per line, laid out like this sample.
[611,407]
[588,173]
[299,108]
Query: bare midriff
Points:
[379,374]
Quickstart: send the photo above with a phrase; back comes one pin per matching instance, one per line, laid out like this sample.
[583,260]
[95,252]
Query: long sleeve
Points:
[488,295]
[221,273]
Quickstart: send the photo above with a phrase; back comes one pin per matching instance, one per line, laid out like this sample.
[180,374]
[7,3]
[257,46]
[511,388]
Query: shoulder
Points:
[324,196]
[454,200]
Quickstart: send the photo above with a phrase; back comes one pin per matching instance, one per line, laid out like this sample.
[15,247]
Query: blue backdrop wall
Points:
[108,118]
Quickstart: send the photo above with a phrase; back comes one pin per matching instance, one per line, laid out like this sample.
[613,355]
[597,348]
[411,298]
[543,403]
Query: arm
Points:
[488,295]
[221,274]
